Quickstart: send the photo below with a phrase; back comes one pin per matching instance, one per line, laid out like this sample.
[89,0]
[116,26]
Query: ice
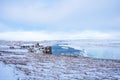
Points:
[105,49]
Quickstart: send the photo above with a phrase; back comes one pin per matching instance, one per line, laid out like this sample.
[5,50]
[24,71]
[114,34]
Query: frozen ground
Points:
[6,72]
[30,66]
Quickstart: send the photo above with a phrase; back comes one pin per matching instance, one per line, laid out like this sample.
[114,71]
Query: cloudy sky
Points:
[59,19]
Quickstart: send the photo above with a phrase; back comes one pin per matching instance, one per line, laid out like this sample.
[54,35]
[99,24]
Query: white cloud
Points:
[38,12]
[24,36]
[66,14]
[58,36]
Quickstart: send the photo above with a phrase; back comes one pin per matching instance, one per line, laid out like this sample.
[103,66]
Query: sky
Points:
[59,19]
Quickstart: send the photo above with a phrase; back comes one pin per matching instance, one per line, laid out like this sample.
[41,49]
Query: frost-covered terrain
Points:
[19,64]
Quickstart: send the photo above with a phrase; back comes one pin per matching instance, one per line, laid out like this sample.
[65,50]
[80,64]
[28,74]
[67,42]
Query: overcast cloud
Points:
[68,19]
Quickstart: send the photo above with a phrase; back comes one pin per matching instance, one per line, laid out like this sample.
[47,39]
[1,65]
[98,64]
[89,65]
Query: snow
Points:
[17,50]
[34,66]
[3,47]
[7,72]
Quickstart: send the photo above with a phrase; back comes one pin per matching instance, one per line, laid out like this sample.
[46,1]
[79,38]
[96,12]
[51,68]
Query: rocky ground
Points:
[57,67]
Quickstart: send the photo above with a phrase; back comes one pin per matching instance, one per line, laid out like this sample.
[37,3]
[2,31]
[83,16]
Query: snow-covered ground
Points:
[6,72]
[21,65]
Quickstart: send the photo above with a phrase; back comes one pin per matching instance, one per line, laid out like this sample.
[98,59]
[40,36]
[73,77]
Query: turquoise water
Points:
[57,49]
[103,52]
